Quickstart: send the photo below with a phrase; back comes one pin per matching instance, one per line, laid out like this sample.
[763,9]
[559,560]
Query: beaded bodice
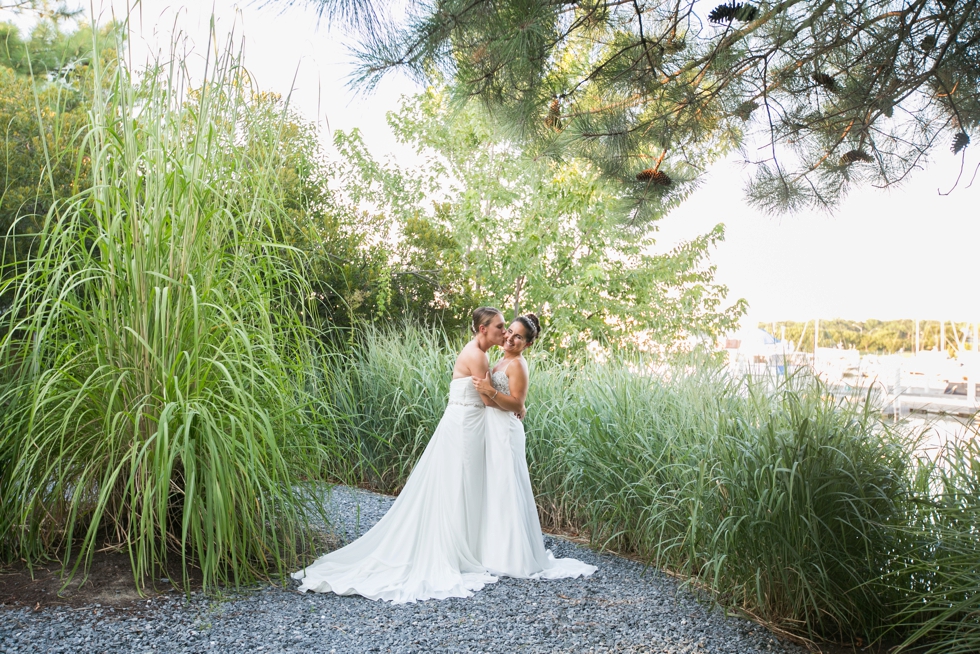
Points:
[500,382]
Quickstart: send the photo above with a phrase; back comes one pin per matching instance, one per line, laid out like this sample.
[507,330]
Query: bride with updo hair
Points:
[511,544]
[427,546]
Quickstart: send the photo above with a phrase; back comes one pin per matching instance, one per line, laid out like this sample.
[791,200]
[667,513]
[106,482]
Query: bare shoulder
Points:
[471,361]
[516,367]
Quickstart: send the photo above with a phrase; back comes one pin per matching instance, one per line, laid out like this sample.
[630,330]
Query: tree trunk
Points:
[517,295]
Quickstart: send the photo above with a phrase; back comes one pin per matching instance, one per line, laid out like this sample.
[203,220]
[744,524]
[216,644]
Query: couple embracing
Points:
[466,514]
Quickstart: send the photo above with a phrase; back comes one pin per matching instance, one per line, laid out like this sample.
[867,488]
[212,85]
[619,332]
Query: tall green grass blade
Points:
[158,392]
[782,502]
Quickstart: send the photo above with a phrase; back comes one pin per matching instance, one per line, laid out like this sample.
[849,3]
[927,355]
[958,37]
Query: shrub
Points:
[156,387]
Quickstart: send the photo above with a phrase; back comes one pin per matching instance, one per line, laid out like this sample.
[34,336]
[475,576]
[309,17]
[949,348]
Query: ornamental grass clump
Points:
[781,502]
[389,395]
[936,571]
[155,393]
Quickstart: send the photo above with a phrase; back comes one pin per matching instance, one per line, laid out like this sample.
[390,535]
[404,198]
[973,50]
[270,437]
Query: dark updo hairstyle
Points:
[482,317]
[531,324]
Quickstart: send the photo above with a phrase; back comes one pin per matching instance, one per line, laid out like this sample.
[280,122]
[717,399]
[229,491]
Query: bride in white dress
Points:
[511,544]
[427,546]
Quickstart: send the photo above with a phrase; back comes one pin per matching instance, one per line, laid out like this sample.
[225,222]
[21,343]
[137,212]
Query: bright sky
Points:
[905,252]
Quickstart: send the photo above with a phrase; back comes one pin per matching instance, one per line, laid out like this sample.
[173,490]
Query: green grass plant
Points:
[388,395]
[780,501]
[936,571]
[154,367]
[815,516]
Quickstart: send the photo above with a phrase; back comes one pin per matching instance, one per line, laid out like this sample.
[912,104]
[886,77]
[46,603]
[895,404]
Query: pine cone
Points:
[856,155]
[654,177]
[745,109]
[733,11]
[746,13]
[960,141]
[554,115]
[825,80]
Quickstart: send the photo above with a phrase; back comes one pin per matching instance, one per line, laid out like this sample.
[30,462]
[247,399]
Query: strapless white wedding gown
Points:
[427,544]
[511,543]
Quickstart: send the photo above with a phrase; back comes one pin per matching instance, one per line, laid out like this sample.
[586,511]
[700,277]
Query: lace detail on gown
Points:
[500,382]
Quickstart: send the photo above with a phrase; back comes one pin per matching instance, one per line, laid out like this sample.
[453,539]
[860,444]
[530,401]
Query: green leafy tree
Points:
[46,85]
[36,155]
[45,90]
[877,336]
[50,49]
[343,264]
[347,269]
[820,96]
[480,221]
[41,8]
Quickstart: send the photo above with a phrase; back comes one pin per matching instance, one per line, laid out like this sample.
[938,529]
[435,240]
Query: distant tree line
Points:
[876,336]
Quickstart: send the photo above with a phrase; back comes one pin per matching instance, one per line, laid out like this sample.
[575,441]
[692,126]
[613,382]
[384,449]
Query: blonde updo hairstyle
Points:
[482,317]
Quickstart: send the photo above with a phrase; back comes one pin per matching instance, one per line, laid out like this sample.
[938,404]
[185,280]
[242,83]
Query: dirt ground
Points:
[109,582]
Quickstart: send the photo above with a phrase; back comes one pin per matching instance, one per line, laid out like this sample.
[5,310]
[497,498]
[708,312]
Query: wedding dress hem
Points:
[427,545]
[511,541]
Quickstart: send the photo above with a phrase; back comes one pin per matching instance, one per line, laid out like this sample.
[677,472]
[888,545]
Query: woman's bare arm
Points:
[473,361]
[517,379]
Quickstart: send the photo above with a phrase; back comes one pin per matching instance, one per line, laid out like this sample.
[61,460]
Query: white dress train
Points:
[427,545]
[511,543]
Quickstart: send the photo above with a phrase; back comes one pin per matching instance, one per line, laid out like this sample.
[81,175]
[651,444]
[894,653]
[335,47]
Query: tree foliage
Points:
[46,86]
[344,263]
[478,221]
[820,96]
[44,9]
[877,336]
[50,49]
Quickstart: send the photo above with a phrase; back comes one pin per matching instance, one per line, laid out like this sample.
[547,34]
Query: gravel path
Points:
[621,608]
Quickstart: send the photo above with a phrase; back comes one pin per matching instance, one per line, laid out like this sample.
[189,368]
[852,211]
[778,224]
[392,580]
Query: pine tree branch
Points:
[829,73]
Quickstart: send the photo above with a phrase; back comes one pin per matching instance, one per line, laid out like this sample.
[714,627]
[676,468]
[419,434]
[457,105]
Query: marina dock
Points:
[929,382]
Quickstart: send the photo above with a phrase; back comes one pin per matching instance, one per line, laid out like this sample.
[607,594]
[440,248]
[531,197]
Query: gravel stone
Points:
[624,607]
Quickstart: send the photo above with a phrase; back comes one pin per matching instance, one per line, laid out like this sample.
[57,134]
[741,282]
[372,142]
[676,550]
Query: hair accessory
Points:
[531,324]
